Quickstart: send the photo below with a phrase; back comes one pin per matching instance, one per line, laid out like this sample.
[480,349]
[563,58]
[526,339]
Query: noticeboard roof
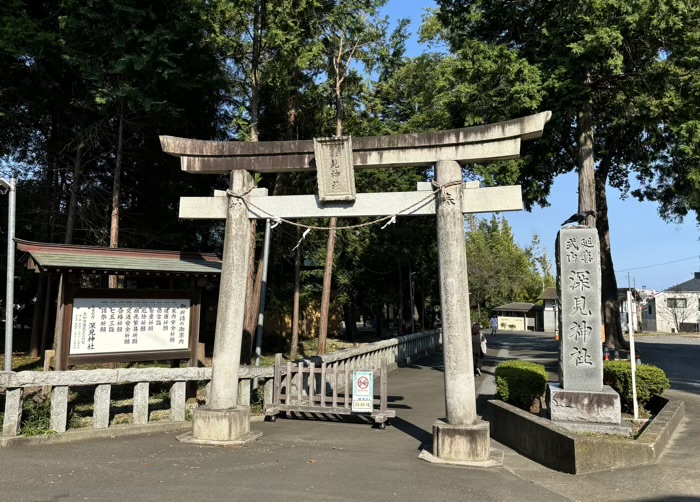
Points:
[44,257]
[517,307]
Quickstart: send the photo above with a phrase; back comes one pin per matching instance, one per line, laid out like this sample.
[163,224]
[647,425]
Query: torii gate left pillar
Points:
[461,438]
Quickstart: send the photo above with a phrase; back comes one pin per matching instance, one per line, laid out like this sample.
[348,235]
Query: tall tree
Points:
[602,70]
[352,33]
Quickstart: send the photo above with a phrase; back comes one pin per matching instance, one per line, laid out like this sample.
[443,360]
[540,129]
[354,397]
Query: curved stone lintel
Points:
[470,144]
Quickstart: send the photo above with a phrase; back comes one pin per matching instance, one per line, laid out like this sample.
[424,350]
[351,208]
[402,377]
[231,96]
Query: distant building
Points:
[674,310]
[518,316]
[549,310]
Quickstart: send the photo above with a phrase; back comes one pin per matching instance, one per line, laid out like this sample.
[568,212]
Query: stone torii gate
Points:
[461,437]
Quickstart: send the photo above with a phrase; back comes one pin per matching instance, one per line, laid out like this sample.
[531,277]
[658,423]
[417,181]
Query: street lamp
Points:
[9,186]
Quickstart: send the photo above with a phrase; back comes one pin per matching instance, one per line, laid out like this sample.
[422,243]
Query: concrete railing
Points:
[104,379]
[396,351]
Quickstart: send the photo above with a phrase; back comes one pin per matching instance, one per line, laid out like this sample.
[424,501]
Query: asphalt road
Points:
[322,460]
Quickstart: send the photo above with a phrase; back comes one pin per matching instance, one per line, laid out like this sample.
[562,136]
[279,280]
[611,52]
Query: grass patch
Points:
[38,421]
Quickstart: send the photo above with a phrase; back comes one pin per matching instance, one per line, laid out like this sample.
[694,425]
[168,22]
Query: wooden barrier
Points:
[311,389]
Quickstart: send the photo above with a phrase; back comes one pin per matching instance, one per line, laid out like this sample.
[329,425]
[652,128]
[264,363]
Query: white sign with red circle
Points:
[362,391]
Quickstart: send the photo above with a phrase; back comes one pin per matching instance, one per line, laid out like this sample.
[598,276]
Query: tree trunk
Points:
[52,160]
[340,111]
[326,293]
[258,21]
[586,165]
[400,312]
[350,320]
[116,190]
[252,302]
[37,319]
[295,309]
[73,203]
[610,304]
[254,280]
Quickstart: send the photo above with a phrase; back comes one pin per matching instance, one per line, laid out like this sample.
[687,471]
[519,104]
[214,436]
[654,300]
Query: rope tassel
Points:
[303,236]
[392,220]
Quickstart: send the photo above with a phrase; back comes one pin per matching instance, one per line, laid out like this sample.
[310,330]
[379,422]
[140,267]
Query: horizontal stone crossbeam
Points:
[475,200]
[500,141]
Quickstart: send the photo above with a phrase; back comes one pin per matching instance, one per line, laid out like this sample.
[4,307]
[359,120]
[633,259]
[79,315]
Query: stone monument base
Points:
[461,444]
[584,406]
[622,428]
[220,427]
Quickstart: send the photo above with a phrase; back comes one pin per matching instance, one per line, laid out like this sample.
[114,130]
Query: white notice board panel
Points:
[107,325]
[362,391]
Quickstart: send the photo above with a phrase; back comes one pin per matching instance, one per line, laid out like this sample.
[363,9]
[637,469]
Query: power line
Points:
[657,264]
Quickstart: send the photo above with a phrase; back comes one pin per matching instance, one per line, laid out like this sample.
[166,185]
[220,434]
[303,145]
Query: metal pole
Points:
[633,356]
[410,289]
[263,292]
[10,285]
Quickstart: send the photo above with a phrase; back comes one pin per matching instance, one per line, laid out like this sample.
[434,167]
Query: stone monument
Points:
[580,401]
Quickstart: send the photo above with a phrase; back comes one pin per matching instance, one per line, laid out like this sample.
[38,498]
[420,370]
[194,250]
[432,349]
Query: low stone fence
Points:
[103,380]
[396,351]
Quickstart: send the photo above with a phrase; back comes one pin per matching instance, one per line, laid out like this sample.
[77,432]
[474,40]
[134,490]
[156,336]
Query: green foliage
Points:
[38,418]
[500,271]
[635,62]
[520,382]
[651,381]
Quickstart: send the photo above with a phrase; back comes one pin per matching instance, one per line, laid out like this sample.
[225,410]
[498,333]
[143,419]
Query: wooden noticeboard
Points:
[124,325]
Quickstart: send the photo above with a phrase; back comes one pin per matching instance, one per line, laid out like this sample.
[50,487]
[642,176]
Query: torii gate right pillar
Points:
[461,437]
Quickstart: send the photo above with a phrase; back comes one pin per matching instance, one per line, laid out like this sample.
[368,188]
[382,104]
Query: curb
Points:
[557,448]
[115,431]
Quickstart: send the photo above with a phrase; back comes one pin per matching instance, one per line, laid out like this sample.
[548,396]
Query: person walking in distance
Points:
[478,348]
[494,325]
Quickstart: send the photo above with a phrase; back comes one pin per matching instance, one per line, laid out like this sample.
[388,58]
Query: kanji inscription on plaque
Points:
[334,169]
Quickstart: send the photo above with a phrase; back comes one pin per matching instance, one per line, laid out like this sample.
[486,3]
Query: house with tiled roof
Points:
[674,310]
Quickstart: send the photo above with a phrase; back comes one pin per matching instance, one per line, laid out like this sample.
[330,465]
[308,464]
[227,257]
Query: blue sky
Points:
[642,243]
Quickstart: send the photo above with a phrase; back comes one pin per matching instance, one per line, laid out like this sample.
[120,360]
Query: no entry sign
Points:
[362,391]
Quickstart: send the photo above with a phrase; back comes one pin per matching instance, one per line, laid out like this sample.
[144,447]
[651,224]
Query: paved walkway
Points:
[319,460]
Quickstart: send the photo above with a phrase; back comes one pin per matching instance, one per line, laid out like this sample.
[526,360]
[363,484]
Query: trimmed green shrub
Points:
[651,381]
[520,382]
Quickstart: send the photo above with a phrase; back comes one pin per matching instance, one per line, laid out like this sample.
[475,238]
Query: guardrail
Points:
[395,351]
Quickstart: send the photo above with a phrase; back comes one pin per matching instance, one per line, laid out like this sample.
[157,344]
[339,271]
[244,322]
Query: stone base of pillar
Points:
[584,406]
[229,427]
[462,445]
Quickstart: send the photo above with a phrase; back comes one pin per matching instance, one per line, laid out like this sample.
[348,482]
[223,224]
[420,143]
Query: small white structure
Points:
[549,310]
[674,310]
[517,316]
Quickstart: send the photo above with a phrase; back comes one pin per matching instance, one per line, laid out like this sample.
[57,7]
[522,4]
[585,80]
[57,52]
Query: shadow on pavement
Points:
[424,437]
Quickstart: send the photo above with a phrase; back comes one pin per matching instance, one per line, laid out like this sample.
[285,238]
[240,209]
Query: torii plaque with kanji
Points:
[334,169]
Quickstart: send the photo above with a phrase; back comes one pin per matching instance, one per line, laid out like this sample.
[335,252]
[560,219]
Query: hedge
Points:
[651,381]
[520,382]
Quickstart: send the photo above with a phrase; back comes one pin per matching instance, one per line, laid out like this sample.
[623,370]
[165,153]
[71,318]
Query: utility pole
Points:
[10,284]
